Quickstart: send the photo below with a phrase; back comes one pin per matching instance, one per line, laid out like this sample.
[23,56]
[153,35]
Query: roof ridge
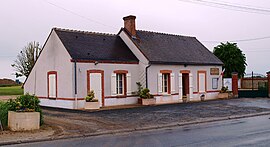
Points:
[166,33]
[84,32]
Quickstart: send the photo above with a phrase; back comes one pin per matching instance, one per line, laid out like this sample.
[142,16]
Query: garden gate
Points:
[253,87]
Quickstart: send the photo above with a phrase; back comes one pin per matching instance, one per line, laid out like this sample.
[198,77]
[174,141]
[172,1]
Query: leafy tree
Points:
[26,59]
[232,57]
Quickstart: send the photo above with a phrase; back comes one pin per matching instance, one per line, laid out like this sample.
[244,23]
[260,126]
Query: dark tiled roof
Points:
[162,48]
[95,46]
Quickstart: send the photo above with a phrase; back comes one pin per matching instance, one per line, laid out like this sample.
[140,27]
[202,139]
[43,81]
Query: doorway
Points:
[185,84]
[96,83]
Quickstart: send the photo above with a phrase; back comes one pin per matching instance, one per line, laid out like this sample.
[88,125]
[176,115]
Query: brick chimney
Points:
[129,24]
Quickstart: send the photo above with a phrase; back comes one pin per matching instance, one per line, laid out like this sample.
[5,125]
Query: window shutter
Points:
[128,84]
[113,84]
[172,83]
[159,82]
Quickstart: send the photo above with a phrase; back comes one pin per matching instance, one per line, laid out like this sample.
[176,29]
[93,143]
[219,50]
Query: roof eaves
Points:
[183,63]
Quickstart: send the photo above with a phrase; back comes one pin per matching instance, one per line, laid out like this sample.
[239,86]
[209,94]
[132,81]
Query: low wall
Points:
[121,101]
[67,104]
[23,121]
[246,83]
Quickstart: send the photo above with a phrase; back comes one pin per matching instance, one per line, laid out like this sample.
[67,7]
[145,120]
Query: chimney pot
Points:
[129,24]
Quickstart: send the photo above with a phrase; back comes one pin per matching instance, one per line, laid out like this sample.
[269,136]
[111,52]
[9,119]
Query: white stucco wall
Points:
[153,80]
[54,57]
[108,70]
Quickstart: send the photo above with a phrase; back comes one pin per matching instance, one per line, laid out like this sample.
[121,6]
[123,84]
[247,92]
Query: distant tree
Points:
[232,57]
[26,59]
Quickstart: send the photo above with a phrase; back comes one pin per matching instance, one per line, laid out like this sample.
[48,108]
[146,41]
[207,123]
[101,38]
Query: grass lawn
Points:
[13,90]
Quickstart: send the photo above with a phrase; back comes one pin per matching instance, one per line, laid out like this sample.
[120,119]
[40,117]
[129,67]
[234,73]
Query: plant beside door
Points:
[91,102]
[146,98]
[223,93]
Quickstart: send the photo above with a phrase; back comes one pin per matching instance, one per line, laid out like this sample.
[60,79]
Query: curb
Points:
[136,129]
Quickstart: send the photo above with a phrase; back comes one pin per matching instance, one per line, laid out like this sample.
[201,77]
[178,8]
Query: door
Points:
[96,86]
[185,84]
[202,84]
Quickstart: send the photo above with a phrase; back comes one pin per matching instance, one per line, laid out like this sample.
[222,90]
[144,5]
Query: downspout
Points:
[146,75]
[75,79]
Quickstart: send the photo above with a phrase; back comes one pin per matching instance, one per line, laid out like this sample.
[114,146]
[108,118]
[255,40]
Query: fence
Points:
[253,87]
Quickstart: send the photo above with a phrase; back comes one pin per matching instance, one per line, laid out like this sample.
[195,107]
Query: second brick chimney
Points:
[129,24]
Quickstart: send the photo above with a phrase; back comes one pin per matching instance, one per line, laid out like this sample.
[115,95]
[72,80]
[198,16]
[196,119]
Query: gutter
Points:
[75,78]
[146,75]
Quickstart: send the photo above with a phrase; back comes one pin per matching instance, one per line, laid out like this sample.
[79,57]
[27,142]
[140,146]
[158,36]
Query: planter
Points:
[223,95]
[91,105]
[202,97]
[146,102]
[23,121]
[185,100]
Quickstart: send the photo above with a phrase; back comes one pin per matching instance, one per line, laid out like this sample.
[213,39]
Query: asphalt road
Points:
[253,131]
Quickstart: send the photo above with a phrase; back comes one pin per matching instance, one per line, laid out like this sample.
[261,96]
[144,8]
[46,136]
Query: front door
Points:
[202,82]
[96,85]
[185,84]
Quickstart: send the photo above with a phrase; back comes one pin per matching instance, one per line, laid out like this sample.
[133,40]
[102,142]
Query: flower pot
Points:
[223,95]
[91,105]
[185,100]
[23,121]
[151,101]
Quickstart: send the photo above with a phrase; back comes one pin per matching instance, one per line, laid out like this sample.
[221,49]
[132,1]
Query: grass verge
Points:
[12,90]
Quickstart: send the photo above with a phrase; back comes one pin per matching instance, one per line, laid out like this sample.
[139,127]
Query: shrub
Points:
[145,94]
[140,88]
[4,113]
[224,89]
[25,103]
[90,97]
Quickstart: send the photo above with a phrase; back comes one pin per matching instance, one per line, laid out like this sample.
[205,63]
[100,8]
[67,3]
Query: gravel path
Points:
[77,122]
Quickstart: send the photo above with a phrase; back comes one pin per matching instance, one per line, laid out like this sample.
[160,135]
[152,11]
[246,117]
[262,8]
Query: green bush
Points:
[145,94]
[91,97]
[224,89]
[4,113]
[25,103]
[140,88]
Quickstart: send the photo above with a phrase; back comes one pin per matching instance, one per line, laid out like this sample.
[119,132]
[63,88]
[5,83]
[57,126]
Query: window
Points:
[52,84]
[215,83]
[165,82]
[120,78]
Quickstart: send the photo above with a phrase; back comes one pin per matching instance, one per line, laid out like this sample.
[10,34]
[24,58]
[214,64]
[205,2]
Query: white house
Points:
[74,62]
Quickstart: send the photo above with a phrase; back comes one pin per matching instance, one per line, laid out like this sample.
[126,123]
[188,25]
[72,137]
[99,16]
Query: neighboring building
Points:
[171,66]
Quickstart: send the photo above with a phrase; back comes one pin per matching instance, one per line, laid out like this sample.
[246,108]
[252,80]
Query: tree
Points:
[232,57]
[26,59]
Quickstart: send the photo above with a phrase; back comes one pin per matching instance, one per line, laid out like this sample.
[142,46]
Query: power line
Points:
[258,51]
[81,16]
[230,6]
[258,7]
[239,40]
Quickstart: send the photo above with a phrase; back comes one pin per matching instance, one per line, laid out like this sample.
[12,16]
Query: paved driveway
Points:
[72,122]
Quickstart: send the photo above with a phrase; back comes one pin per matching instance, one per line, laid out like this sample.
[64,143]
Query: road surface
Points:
[253,131]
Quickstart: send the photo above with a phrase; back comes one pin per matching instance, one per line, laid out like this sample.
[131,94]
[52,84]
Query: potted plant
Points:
[146,98]
[202,96]
[223,93]
[90,101]
[24,113]
[184,98]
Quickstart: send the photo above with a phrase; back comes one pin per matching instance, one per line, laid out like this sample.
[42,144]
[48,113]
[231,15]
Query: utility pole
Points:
[252,80]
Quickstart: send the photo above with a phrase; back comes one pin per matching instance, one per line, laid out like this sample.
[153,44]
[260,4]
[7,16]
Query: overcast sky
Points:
[23,21]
